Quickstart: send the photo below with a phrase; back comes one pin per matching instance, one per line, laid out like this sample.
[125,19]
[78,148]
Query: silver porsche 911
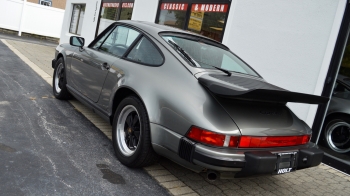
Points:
[186,97]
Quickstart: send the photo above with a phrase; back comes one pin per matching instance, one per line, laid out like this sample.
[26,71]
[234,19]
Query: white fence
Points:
[32,18]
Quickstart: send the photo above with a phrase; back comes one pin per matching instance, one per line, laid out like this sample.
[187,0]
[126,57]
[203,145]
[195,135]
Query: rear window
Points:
[208,55]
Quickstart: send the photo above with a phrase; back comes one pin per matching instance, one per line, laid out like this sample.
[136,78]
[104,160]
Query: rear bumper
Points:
[251,162]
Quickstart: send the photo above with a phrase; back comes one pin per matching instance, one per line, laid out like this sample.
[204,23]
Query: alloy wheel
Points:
[128,130]
[59,77]
[338,137]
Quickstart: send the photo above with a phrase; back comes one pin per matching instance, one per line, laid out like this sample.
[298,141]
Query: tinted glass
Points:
[173,14]
[208,20]
[102,39]
[207,55]
[145,52]
[119,40]
[126,12]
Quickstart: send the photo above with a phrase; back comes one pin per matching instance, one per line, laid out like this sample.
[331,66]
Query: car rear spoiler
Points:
[248,88]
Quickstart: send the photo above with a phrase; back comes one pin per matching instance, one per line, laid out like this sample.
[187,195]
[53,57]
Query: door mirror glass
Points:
[76,41]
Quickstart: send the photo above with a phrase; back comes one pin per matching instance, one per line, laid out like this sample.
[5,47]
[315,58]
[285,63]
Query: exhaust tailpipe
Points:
[212,175]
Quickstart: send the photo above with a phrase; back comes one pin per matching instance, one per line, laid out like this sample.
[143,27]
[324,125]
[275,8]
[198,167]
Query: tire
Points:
[131,134]
[337,134]
[59,81]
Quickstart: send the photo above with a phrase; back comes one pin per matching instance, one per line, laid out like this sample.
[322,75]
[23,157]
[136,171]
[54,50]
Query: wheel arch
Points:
[119,95]
[335,115]
[60,55]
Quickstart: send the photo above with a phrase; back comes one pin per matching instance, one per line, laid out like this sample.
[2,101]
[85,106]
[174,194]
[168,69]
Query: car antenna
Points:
[223,70]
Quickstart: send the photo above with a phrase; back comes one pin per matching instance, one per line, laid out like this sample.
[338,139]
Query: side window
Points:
[102,39]
[119,40]
[145,52]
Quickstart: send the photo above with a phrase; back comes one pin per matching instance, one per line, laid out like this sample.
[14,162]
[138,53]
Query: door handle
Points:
[106,66]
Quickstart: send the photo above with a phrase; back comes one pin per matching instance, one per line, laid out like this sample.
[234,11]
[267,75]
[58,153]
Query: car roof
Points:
[154,29]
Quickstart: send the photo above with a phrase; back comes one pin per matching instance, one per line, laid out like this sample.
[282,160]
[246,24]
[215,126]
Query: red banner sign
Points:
[110,5]
[174,6]
[210,8]
[127,5]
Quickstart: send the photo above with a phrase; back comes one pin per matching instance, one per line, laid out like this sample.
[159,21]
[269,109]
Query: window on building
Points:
[109,14]
[126,12]
[173,14]
[113,10]
[207,19]
[145,52]
[45,2]
[77,19]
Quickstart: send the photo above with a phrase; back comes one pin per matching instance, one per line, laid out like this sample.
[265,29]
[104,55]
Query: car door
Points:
[90,65]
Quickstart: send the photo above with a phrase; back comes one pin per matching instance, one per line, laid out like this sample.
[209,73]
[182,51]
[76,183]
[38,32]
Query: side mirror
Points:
[77,41]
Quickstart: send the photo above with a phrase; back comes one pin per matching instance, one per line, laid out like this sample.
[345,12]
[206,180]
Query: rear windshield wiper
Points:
[190,59]
[182,51]
[223,70]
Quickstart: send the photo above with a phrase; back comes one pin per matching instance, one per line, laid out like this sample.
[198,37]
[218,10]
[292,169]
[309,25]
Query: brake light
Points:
[272,141]
[206,137]
[234,140]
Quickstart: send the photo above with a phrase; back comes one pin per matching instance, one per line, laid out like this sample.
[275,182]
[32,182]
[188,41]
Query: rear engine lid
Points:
[263,119]
[257,107]
[253,89]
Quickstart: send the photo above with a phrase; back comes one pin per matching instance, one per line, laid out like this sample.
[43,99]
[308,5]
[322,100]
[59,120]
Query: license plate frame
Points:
[283,158]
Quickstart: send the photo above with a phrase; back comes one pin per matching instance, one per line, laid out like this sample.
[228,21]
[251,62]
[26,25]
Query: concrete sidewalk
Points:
[321,180]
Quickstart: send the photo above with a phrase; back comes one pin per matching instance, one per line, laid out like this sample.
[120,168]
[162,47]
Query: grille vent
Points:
[186,149]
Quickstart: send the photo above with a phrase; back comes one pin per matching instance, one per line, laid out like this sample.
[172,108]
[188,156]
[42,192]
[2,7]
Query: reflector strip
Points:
[272,141]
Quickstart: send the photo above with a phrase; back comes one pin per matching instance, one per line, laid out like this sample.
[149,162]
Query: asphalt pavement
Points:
[47,147]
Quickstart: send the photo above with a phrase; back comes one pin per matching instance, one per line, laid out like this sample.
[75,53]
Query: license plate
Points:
[286,162]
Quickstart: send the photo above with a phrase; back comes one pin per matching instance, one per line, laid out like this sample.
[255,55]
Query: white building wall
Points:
[89,23]
[145,10]
[290,43]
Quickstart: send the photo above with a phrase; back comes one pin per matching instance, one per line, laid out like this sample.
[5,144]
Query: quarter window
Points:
[145,52]
[102,39]
[119,41]
[76,22]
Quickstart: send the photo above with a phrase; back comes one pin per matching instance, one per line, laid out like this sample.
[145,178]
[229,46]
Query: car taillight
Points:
[272,141]
[211,138]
